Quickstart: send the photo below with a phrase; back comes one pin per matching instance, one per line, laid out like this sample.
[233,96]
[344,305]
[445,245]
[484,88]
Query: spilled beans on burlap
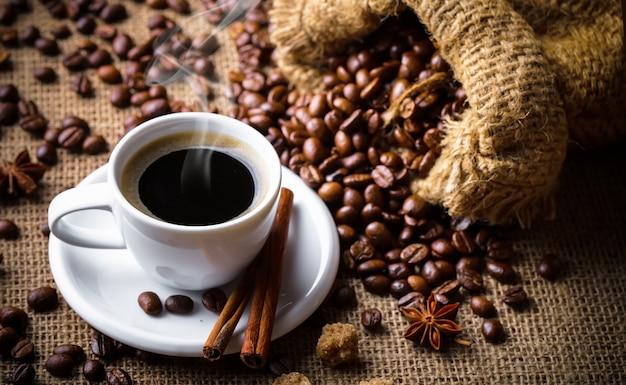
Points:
[542,78]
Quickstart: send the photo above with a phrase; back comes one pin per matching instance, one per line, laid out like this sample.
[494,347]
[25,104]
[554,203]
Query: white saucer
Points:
[102,285]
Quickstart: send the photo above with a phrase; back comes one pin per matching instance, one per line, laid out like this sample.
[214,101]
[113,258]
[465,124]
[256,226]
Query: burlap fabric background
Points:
[574,332]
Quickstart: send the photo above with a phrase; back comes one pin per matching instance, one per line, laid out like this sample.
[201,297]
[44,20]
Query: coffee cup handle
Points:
[97,196]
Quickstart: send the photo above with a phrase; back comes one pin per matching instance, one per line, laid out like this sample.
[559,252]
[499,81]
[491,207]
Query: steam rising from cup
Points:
[170,64]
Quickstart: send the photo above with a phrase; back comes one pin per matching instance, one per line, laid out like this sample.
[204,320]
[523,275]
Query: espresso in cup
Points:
[193,178]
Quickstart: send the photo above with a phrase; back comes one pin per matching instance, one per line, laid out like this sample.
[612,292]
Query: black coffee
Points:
[198,186]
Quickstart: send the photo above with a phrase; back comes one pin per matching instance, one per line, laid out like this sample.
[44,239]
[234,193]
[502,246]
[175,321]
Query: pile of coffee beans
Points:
[337,141]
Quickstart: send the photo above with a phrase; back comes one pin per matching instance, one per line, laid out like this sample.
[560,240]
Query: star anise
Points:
[20,176]
[429,322]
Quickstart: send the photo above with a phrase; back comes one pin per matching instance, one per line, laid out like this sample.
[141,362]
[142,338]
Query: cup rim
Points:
[259,143]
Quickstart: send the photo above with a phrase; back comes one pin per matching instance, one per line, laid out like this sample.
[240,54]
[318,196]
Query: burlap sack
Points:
[540,76]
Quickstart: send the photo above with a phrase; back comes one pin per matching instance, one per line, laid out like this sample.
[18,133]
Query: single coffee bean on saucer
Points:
[214,299]
[179,304]
[150,303]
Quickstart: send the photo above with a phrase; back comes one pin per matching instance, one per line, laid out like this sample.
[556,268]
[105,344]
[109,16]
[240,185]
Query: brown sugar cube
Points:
[338,344]
[377,381]
[293,378]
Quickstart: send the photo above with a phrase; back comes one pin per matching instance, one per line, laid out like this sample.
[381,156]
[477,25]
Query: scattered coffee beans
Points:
[94,371]
[60,365]
[549,267]
[371,319]
[118,376]
[150,303]
[24,374]
[14,317]
[43,299]
[281,364]
[23,350]
[8,229]
[515,297]
[179,304]
[75,351]
[214,299]
[493,331]
[482,307]
[8,339]
[45,74]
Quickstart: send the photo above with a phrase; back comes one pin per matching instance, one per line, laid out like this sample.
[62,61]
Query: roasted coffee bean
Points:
[493,331]
[470,279]
[102,345]
[500,250]
[379,235]
[469,263]
[46,153]
[8,339]
[371,319]
[214,299]
[549,267]
[42,299]
[8,229]
[155,107]
[81,85]
[94,370]
[109,74]
[34,123]
[418,284]
[121,45]
[113,13]
[30,34]
[105,32]
[399,270]
[447,289]
[179,304]
[5,60]
[150,303]
[120,96]
[463,243]
[9,93]
[86,24]
[94,144]
[502,272]
[118,376]
[71,137]
[60,365]
[443,248]
[515,297]
[45,74]
[8,14]
[61,31]
[46,46]
[399,287]
[23,350]
[99,58]
[482,307]
[75,351]
[376,283]
[431,273]
[281,364]
[24,374]
[412,300]
[14,317]
[343,296]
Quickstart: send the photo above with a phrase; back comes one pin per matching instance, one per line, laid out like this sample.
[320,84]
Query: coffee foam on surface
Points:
[147,154]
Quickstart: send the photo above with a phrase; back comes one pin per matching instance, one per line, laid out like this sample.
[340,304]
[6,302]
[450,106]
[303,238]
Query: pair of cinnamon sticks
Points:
[261,283]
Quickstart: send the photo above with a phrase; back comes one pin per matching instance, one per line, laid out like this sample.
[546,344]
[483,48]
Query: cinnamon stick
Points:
[225,325]
[256,343]
[262,278]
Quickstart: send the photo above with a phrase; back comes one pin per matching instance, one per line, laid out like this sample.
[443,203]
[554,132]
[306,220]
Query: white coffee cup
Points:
[191,257]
